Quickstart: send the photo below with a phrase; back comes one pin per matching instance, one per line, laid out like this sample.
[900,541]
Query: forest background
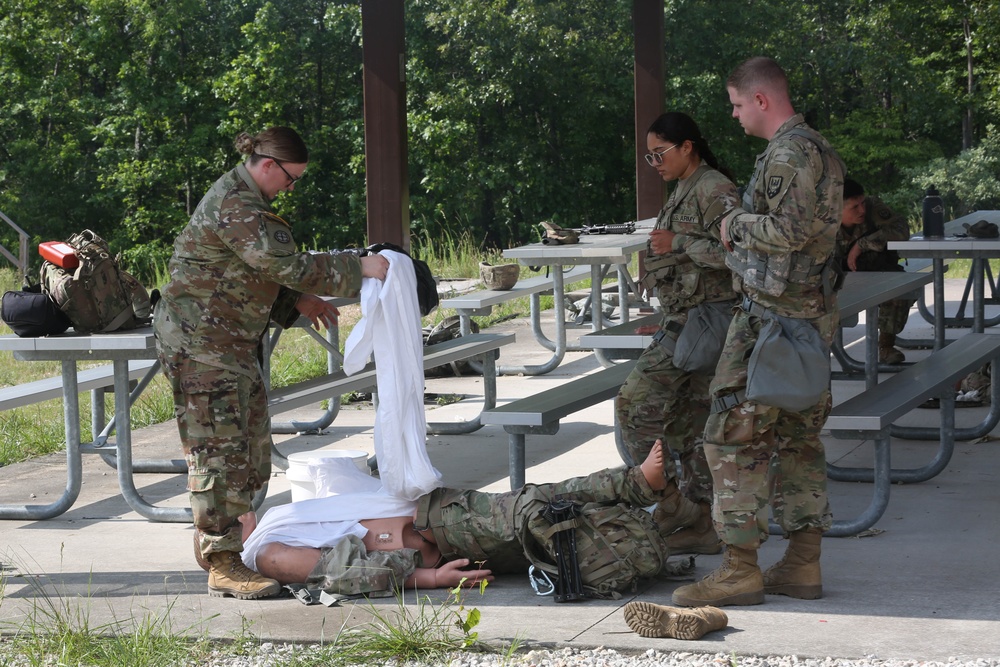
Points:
[117,115]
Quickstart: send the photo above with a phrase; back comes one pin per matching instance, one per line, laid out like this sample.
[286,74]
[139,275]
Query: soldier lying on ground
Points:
[445,533]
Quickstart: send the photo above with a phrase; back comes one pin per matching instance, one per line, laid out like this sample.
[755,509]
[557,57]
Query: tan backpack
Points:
[97,295]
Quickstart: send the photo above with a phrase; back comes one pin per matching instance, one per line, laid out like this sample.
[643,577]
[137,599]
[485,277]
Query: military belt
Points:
[428,516]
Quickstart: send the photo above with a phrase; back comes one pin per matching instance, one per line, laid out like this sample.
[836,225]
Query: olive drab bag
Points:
[97,295]
[616,546]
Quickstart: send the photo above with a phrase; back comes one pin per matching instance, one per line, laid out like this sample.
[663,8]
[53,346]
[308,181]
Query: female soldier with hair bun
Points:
[234,269]
[685,267]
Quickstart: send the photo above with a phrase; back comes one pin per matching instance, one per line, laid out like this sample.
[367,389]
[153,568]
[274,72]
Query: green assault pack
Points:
[97,296]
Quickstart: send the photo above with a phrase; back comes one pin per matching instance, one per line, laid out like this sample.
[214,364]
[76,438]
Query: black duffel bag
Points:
[30,313]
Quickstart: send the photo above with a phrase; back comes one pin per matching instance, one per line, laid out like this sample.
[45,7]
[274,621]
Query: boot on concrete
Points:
[738,581]
[798,573]
[887,352]
[674,511]
[656,620]
[229,576]
[698,538]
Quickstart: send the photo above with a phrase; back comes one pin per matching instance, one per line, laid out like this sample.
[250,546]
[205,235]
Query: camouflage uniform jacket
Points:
[797,195]
[234,268]
[693,212]
[880,226]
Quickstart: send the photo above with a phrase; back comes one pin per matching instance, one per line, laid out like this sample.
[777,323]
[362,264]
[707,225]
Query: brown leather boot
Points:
[738,581]
[887,352]
[674,511]
[698,538]
[229,576]
[656,620]
[798,574]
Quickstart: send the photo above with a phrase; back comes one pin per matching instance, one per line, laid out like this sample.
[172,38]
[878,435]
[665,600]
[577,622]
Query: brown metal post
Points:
[647,26]
[647,22]
[384,58]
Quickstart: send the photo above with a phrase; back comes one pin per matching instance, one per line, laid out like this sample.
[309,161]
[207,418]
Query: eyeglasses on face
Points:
[656,157]
[291,179]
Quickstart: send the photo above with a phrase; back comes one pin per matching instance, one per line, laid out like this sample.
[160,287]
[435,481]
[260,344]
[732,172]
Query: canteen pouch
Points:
[789,367]
[30,314]
[700,342]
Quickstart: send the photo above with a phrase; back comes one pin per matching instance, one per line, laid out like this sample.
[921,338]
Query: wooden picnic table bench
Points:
[541,413]
[871,414]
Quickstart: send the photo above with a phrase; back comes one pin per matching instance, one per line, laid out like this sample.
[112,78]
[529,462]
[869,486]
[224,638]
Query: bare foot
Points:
[652,467]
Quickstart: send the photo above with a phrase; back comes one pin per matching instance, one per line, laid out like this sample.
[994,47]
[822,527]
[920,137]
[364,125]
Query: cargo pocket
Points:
[212,405]
[199,482]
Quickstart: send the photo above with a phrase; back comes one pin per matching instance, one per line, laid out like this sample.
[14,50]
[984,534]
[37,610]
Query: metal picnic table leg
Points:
[74,463]
[124,445]
[489,371]
[558,292]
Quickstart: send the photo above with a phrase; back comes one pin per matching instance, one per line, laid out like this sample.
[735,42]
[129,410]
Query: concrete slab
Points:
[920,586]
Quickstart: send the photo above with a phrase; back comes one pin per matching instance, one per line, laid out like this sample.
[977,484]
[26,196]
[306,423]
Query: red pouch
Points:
[59,253]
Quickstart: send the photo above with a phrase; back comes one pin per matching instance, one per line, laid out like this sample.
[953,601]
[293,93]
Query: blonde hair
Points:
[278,143]
[759,73]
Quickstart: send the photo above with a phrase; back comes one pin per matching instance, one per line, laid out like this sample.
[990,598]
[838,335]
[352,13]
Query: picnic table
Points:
[862,292]
[950,247]
[123,348]
[600,252]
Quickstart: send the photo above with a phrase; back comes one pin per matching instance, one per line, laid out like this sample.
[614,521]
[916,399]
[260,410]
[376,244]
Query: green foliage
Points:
[117,115]
[969,182]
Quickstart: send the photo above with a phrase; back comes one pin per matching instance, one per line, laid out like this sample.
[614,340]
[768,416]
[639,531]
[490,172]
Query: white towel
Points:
[390,326]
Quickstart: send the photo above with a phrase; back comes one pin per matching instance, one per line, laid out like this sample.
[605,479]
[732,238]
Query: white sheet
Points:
[390,327]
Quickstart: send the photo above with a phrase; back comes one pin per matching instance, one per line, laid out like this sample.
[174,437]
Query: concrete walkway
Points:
[922,585]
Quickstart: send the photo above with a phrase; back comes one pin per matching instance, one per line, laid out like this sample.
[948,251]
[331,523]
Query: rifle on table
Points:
[623,228]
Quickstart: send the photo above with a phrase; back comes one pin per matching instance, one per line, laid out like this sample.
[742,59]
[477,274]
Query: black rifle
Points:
[624,228]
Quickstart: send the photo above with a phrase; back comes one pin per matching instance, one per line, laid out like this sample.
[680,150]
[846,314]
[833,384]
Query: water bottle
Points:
[933,214]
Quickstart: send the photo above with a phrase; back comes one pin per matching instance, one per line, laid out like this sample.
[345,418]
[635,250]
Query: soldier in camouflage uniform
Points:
[685,265]
[866,228]
[235,268]
[452,529]
[782,241]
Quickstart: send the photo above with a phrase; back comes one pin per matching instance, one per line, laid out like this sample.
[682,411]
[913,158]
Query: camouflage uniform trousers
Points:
[758,453]
[487,527]
[892,315]
[222,417]
[659,400]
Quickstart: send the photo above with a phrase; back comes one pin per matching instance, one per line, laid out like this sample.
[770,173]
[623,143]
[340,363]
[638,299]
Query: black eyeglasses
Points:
[291,179]
[656,157]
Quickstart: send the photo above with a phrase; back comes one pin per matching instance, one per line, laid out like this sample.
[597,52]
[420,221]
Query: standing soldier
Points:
[782,242]
[685,264]
[235,268]
[867,227]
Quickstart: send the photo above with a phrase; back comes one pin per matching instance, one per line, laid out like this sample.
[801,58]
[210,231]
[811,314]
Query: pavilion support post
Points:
[647,26]
[384,60]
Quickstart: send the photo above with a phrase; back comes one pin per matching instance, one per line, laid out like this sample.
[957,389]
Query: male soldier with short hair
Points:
[782,242]
[865,230]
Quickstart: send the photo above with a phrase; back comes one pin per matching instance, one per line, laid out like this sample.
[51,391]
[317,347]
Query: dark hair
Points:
[757,73]
[278,143]
[677,127]
[852,189]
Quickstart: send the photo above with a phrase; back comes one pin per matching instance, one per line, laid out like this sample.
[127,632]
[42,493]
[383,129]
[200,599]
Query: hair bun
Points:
[245,143]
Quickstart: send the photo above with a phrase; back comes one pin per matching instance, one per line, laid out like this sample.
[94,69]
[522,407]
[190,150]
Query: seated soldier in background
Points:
[866,227]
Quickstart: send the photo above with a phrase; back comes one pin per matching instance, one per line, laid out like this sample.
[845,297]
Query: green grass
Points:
[57,630]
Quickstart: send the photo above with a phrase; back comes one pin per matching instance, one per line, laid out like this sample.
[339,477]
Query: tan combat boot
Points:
[656,620]
[698,538]
[887,352]
[229,576]
[798,574]
[674,511]
[738,581]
